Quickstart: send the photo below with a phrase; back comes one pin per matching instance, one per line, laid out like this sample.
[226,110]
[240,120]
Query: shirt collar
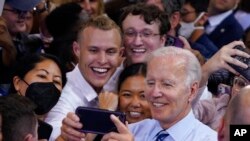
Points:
[177,132]
[86,90]
[217,19]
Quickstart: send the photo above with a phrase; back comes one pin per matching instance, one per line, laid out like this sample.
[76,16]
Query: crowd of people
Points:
[170,65]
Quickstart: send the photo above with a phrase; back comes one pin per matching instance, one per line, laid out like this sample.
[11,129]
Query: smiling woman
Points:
[131,88]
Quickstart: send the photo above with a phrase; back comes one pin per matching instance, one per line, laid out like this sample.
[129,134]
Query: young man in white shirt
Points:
[99,50]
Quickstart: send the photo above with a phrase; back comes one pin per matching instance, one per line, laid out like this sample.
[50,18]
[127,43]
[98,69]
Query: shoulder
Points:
[231,21]
[204,132]
[144,124]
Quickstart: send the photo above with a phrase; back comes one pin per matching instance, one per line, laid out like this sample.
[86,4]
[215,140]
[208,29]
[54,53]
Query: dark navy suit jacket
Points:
[227,31]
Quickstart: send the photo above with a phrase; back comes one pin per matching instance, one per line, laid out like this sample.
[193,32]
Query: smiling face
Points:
[138,47]
[93,7]
[99,54]
[14,22]
[132,99]
[45,71]
[168,95]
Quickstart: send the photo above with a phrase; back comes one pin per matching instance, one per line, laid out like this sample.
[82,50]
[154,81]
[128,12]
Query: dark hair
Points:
[244,5]
[64,19]
[113,8]
[18,118]
[171,6]
[63,24]
[198,5]
[29,61]
[150,14]
[131,70]
[101,22]
[221,76]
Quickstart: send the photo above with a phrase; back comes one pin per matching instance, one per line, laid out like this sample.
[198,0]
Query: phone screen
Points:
[174,41]
[98,120]
[1,6]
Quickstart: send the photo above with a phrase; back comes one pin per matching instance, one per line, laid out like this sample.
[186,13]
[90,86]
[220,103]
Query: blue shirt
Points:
[187,129]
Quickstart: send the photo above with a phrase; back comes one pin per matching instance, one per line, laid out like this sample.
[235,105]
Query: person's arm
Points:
[199,31]
[123,132]
[8,49]
[221,59]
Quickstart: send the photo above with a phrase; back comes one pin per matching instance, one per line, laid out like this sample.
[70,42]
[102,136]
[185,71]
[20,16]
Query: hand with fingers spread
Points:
[69,128]
[221,60]
[108,101]
[123,135]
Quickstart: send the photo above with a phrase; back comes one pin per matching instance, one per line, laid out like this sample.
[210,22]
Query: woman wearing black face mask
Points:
[41,78]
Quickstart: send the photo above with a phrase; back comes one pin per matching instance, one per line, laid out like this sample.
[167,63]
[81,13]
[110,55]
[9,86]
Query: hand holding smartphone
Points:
[98,121]
[244,72]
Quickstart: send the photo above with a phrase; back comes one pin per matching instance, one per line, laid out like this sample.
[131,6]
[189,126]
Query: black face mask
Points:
[44,95]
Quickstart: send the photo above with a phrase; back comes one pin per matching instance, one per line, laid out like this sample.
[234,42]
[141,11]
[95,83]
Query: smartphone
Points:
[44,130]
[98,121]
[174,41]
[244,72]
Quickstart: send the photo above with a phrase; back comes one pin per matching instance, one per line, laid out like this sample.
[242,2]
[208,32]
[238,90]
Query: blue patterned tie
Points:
[160,136]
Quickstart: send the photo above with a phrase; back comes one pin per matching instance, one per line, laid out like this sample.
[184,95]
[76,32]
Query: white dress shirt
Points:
[187,129]
[243,18]
[76,92]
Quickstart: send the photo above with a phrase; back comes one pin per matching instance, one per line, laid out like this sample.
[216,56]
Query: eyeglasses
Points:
[142,34]
[21,14]
[240,82]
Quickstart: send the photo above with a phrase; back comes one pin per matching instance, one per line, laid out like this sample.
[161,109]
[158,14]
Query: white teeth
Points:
[135,114]
[158,104]
[100,70]
[139,50]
